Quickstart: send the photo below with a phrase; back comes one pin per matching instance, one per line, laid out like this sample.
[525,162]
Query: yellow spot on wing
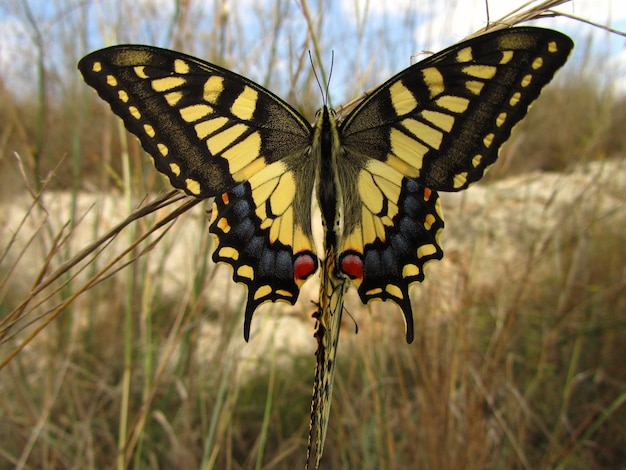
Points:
[173,98]
[456,104]
[552,47]
[164,84]
[407,149]
[163,149]
[246,271]
[410,270]
[123,96]
[195,112]
[223,224]
[111,80]
[460,179]
[394,291]
[429,220]
[97,67]
[213,88]
[175,169]
[537,63]
[402,99]
[403,167]
[426,250]
[464,55]
[441,120]
[488,140]
[218,142]
[180,66]
[434,81]
[206,128]
[228,252]
[134,112]
[375,292]
[242,153]
[148,129]
[282,197]
[370,194]
[427,134]
[192,186]
[515,98]
[262,292]
[251,169]
[245,104]
[282,228]
[474,86]
[140,71]
[506,57]
[526,79]
[486,72]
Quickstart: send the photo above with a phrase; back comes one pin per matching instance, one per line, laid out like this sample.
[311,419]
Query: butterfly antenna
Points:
[323,90]
[330,74]
[317,79]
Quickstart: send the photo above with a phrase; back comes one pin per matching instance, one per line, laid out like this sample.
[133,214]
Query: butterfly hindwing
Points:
[436,126]
[397,234]
[267,251]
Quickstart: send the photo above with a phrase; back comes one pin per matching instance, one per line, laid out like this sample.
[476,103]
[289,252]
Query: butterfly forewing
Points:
[443,120]
[207,128]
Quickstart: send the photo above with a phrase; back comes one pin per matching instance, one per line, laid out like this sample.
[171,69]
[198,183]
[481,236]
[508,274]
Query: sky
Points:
[378,36]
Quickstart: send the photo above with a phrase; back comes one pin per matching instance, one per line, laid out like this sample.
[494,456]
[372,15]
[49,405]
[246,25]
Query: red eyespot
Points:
[304,265]
[352,265]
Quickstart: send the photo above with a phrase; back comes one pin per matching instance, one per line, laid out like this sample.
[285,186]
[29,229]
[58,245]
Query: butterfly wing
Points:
[216,133]
[436,126]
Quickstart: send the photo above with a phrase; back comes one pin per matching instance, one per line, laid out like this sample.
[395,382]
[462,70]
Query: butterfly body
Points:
[436,126]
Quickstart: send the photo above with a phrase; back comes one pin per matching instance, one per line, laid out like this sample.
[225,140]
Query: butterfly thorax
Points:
[325,148]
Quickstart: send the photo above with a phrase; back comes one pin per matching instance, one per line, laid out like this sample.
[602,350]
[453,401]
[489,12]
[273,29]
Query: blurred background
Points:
[125,349]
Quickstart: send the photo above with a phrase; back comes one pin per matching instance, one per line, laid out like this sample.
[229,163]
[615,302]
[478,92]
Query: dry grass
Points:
[118,347]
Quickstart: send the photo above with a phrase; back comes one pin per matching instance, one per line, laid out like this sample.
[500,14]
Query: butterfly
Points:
[436,126]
